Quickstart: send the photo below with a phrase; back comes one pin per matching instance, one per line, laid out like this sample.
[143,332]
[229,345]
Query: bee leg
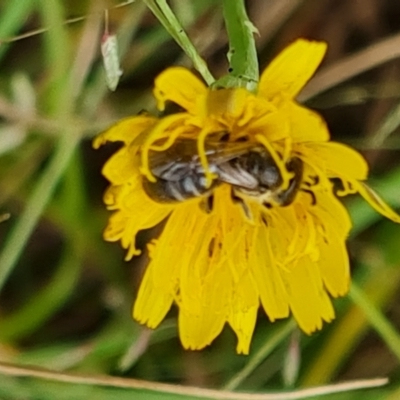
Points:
[312,194]
[207,204]
[243,204]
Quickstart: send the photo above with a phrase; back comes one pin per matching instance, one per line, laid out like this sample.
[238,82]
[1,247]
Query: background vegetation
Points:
[66,296]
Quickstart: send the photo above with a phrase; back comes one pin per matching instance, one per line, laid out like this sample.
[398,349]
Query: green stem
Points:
[242,48]
[165,15]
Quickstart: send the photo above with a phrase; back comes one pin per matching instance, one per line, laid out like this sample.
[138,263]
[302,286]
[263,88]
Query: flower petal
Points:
[136,211]
[205,288]
[333,225]
[309,302]
[121,167]
[180,86]
[329,213]
[243,321]
[336,160]
[125,131]
[334,264]
[161,282]
[271,125]
[198,331]
[153,302]
[270,285]
[375,201]
[305,125]
[287,74]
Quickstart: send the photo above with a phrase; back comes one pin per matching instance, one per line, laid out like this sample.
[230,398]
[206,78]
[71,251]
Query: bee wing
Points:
[185,150]
[222,152]
[182,159]
[229,173]
[236,176]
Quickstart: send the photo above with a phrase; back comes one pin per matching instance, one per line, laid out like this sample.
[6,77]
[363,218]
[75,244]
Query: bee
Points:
[248,168]
[256,174]
[179,173]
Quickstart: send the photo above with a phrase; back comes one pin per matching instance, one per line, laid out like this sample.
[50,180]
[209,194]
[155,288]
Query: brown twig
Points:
[117,382]
[364,60]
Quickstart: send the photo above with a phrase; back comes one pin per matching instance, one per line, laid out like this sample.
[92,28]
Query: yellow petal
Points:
[181,268]
[125,131]
[238,246]
[180,86]
[163,278]
[205,293]
[375,201]
[204,311]
[173,249]
[305,125]
[236,237]
[124,226]
[336,160]
[243,321]
[272,125]
[271,288]
[291,69]
[309,302]
[121,167]
[334,264]
[216,285]
[198,331]
[330,213]
[136,211]
[153,302]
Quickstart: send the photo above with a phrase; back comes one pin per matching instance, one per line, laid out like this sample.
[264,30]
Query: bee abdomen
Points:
[168,191]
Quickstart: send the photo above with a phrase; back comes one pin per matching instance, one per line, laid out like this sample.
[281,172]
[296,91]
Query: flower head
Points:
[244,183]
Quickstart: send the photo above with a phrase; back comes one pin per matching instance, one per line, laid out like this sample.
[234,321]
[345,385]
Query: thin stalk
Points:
[165,15]
[242,48]
[375,317]
[266,349]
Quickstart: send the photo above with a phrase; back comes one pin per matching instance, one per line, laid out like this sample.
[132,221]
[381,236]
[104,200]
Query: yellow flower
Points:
[219,260]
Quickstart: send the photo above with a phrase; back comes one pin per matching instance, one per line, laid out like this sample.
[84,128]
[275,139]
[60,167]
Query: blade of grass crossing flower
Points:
[382,326]
[165,15]
[261,354]
[242,49]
